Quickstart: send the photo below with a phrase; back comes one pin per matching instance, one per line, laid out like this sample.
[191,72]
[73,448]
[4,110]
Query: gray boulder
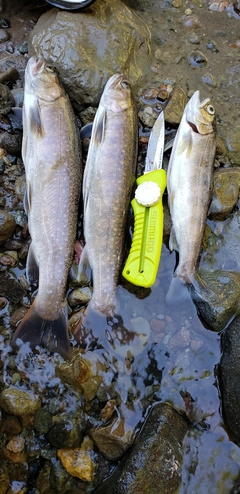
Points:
[88,47]
[154,465]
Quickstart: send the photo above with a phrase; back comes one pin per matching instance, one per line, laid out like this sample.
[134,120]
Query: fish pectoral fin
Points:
[32,269]
[185,145]
[51,334]
[84,274]
[99,126]
[173,245]
[27,198]
[35,121]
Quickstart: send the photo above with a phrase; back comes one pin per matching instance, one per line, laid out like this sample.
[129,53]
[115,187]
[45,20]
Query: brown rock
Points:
[78,461]
[11,426]
[16,445]
[113,439]
[7,226]
[16,401]
[180,339]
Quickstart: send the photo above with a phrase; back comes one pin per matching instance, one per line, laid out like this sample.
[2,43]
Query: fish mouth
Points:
[111,83]
[36,64]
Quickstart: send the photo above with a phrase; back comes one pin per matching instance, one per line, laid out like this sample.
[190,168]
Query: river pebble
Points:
[66,430]
[148,116]
[113,439]
[80,296]
[16,445]
[43,421]
[6,99]
[175,106]
[197,59]
[78,461]
[16,401]
[7,226]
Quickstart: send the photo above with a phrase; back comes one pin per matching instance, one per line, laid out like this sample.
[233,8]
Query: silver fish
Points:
[107,185]
[51,153]
[189,183]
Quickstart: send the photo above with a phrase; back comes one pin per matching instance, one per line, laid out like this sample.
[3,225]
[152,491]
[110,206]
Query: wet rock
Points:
[84,372]
[11,426]
[78,461]
[175,107]
[4,479]
[9,75]
[87,48]
[226,183]
[229,377]
[7,226]
[148,116]
[43,421]
[113,439]
[220,301]
[12,143]
[16,401]
[197,59]
[154,464]
[6,99]
[210,80]
[19,457]
[87,115]
[10,288]
[16,445]
[23,49]
[181,339]
[20,187]
[4,36]
[80,296]
[66,430]
[9,258]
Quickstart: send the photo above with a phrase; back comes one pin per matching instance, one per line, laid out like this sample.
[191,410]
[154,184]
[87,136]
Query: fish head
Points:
[200,115]
[117,95]
[41,80]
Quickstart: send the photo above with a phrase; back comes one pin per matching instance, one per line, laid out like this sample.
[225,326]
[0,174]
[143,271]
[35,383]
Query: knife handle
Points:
[143,260]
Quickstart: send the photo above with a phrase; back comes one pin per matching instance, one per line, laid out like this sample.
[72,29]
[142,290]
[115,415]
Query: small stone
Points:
[180,339]
[80,296]
[196,343]
[66,430]
[4,35]
[7,226]
[6,99]
[209,80]
[16,401]
[16,445]
[109,409]
[23,49]
[9,258]
[148,116]
[157,325]
[4,479]
[11,426]
[15,457]
[78,461]
[43,421]
[197,59]
[20,187]
[113,439]
[17,487]
[10,288]
[18,315]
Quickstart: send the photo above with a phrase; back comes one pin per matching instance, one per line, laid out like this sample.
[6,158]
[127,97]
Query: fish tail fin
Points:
[91,327]
[51,334]
[178,292]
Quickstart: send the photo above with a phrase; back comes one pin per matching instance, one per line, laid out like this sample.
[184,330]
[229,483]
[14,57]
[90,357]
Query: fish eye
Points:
[50,68]
[125,84]
[210,109]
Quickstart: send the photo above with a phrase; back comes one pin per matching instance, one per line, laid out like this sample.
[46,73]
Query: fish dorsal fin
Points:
[35,121]
[99,126]
[32,270]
